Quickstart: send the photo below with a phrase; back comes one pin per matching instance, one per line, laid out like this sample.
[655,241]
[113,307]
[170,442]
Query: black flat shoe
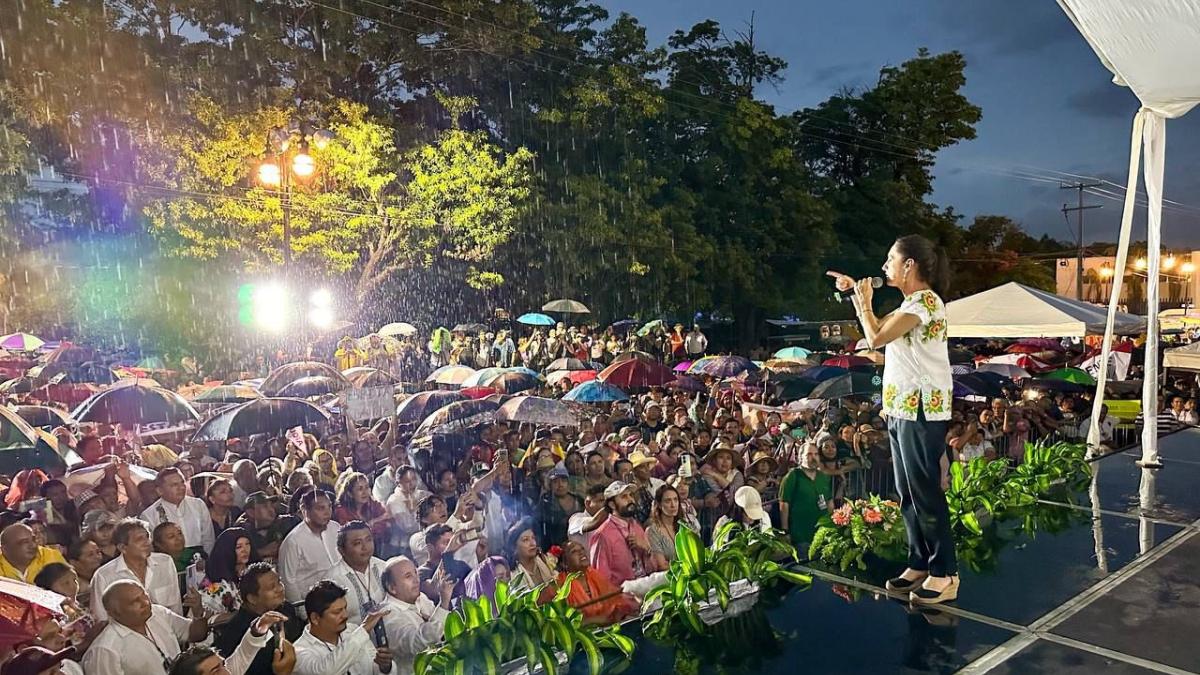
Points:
[902,585]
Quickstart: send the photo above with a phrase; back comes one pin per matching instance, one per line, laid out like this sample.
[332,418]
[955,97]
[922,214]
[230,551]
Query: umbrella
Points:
[1071,375]
[152,363]
[511,383]
[652,326]
[567,364]
[623,324]
[823,373]
[537,410]
[682,366]
[474,393]
[368,376]
[19,385]
[1023,360]
[228,393]
[787,365]
[793,353]
[1022,348]
[636,374]
[634,354]
[470,328]
[261,416]
[23,610]
[1056,385]
[21,342]
[1043,344]
[399,328]
[975,384]
[313,385]
[535,319]
[596,392]
[998,378]
[959,355]
[566,307]
[23,447]
[848,361]
[455,375]
[135,404]
[456,418]
[44,416]
[685,383]
[69,354]
[523,369]
[481,378]
[144,381]
[1006,369]
[875,357]
[722,366]
[419,406]
[87,373]
[288,373]
[573,376]
[792,388]
[850,384]
[961,369]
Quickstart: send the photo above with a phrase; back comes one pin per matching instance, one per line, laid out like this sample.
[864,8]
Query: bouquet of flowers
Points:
[219,597]
[860,526]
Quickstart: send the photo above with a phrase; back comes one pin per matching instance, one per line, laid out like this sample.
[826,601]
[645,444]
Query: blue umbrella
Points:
[596,392]
[535,319]
[793,353]
[722,366]
[526,371]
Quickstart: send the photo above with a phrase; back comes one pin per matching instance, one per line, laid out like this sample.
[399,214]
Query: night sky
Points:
[1048,104]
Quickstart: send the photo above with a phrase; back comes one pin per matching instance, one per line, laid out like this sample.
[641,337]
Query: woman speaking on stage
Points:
[917,390]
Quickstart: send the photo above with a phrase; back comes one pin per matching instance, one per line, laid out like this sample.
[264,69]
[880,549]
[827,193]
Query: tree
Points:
[994,250]
[368,212]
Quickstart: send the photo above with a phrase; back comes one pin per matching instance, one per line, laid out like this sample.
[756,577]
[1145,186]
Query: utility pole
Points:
[1079,211]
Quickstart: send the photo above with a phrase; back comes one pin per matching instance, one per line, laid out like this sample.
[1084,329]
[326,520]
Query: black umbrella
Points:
[288,373]
[791,388]
[44,416]
[979,386]
[456,418]
[313,385]
[417,407]
[567,364]
[511,383]
[135,404]
[88,373]
[262,416]
[850,384]
[366,376]
[960,355]
[470,328]
[23,447]
[1056,385]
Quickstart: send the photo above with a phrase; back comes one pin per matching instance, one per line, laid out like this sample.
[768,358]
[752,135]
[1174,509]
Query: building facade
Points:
[1179,283]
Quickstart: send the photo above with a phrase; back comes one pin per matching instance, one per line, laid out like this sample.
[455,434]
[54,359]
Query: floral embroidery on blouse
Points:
[916,376]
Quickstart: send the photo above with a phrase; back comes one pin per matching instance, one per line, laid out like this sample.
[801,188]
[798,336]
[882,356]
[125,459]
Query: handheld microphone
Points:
[848,296]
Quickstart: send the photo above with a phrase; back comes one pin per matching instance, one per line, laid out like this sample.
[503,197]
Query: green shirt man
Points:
[806,494]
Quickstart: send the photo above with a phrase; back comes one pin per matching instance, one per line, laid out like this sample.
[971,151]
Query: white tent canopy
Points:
[1152,47]
[1013,310]
[1186,357]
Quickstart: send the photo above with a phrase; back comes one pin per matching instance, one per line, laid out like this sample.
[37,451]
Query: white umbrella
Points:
[399,328]
[566,307]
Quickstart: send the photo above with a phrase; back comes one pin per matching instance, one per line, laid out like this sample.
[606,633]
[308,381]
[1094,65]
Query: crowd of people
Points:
[328,553]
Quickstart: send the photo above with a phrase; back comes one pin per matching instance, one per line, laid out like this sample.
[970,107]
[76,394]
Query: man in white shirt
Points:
[580,526]
[136,561]
[329,645]
[309,551]
[413,623]
[402,503]
[1107,426]
[695,343]
[189,513]
[385,482]
[358,570]
[140,637]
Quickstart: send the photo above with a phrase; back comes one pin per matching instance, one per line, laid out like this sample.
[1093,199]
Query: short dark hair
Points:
[319,598]
[403,469]
[126,527]
[309,499]
[596,489]
[188,661]
[248,584]
[435,532]
[349,527]
[156,535]
[165,472]
[425,506]
[75,548]
[50,574]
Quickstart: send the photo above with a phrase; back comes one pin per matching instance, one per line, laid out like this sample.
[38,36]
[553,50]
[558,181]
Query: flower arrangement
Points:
[860,526]
[219,597]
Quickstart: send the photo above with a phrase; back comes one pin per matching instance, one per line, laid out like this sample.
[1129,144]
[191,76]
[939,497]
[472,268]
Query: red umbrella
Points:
[581,376]
[636,374]
[848,361]
[474,393]
[23,608]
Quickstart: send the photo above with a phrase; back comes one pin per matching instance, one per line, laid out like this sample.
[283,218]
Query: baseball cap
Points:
[35,660]
[84,497]
[257,499]
[750,501]
[559,471]
[615,488]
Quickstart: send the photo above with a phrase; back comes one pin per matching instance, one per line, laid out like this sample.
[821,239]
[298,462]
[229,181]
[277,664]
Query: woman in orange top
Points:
[591,593]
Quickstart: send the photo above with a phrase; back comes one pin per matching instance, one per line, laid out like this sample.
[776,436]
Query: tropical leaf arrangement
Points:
[701,574]
[979,493]
[859,526]
[478,640]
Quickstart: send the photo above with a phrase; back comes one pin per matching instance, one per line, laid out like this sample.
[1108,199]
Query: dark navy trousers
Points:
[917,449]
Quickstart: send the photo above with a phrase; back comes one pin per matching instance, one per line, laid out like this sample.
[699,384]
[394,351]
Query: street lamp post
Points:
[289,161]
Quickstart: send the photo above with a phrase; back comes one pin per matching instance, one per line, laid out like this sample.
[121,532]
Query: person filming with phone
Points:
[917,394]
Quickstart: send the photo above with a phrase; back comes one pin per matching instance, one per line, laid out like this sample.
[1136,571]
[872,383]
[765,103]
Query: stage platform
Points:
[1111,583]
